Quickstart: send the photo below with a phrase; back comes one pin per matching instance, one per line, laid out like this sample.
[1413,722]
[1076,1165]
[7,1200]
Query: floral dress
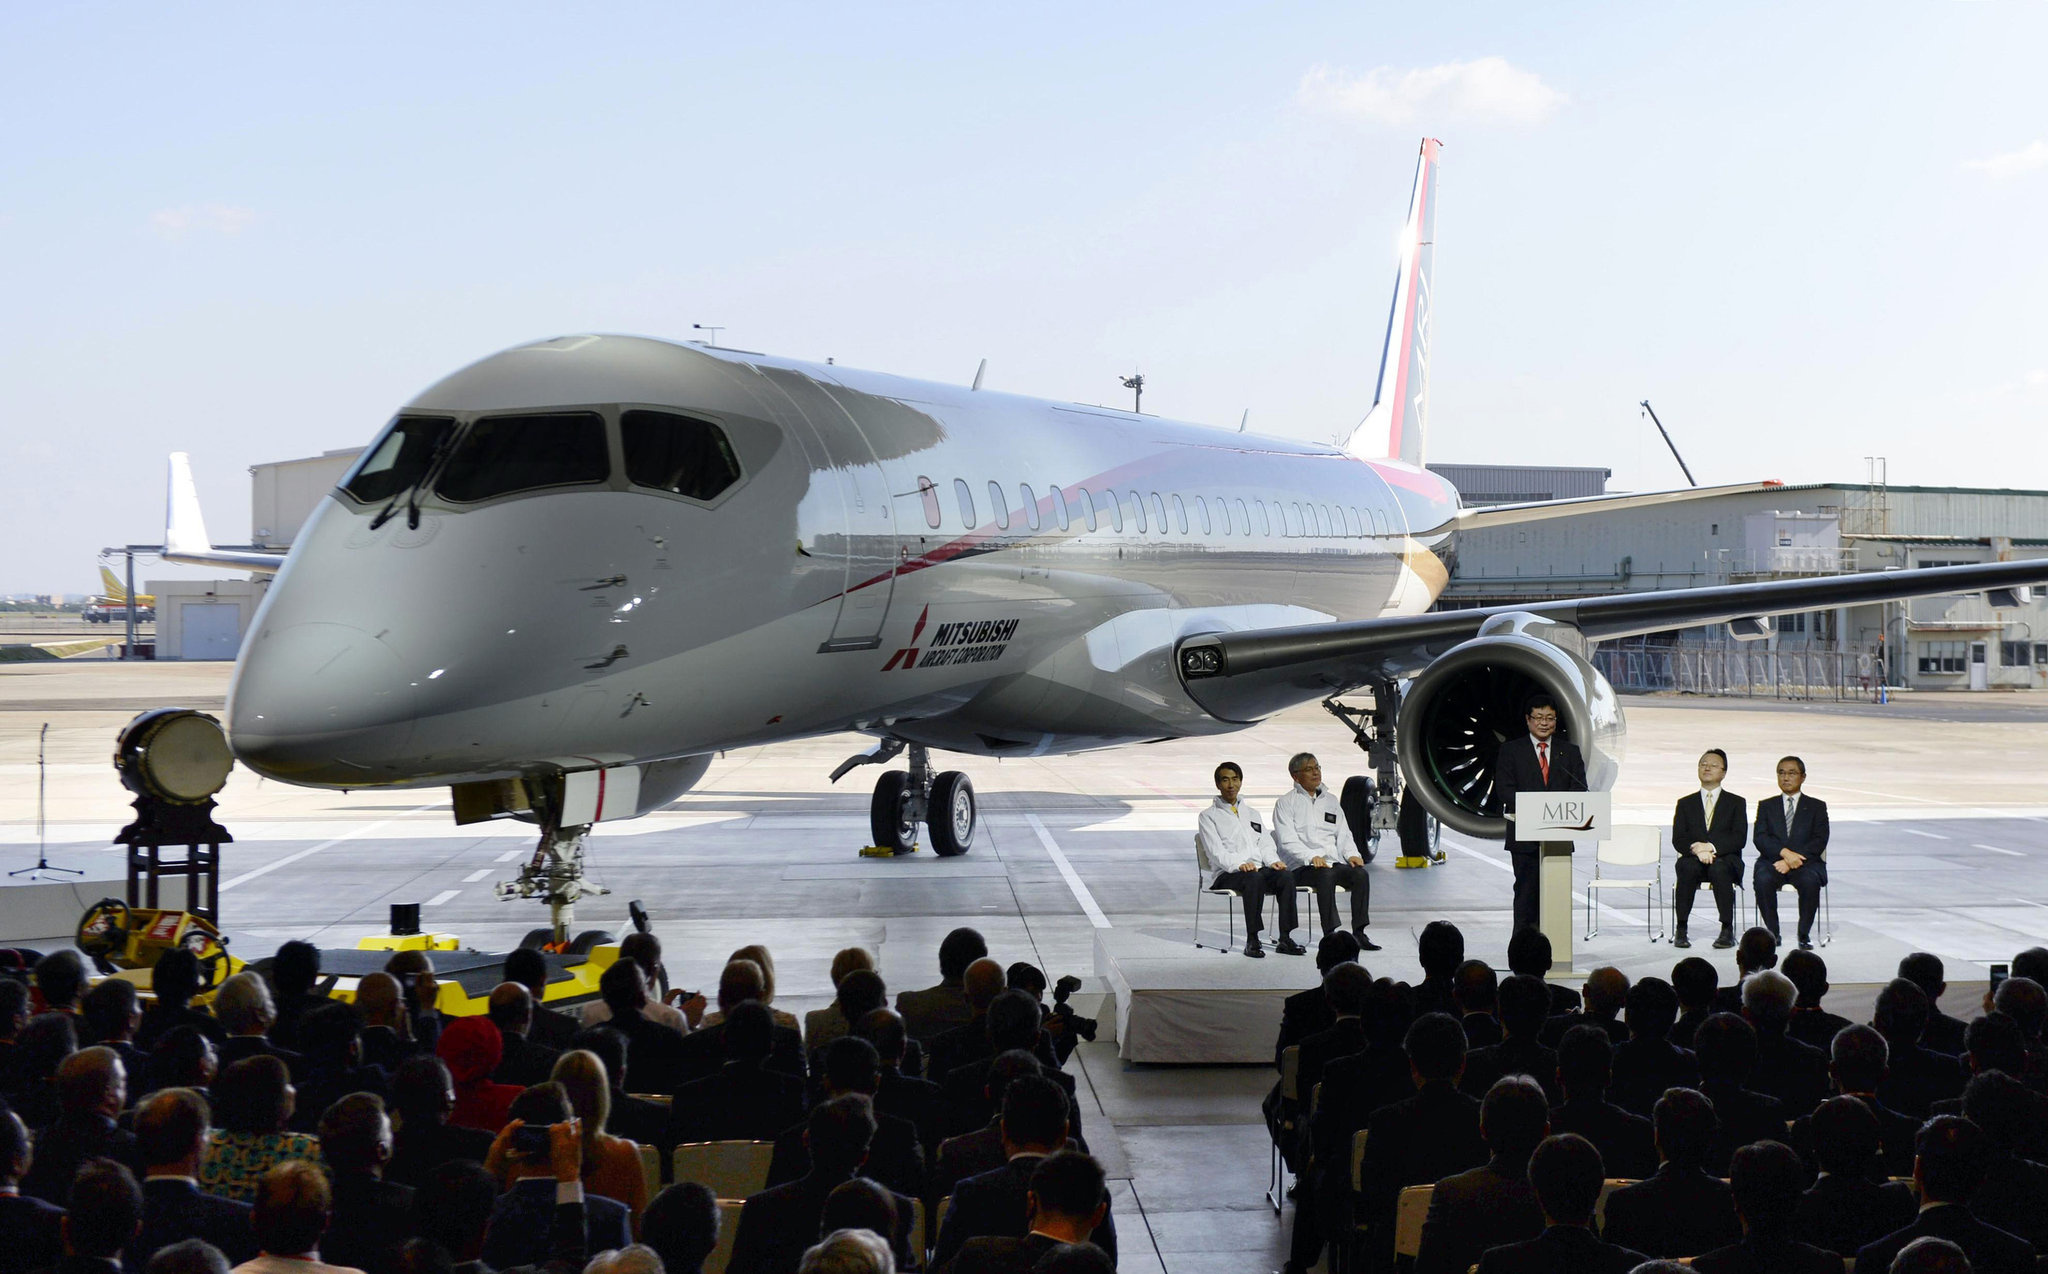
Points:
[236,1161]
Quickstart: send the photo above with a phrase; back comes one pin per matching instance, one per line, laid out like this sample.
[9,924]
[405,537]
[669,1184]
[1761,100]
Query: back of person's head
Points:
[184,1058]
[588,1085]
[1924,970]
[1809,974]
[293,1202]
[847,959]
[884,1029]
[749,1031]
[1951,1157]
[1846,1137]
[643,949]
[540,1106]
[1652,1008]
[849,1252]
[1025,976]
[2024,1001]
[1524,1004]
[472,1048]
[243,1005]
[1757,951]
[109,1009]
[1345,987]
[860,991]
[422,1091]
[175,977]
[852,1066]
[92,1079]
[411,960]
[1436,1046]
[253,1096]
[1995,1042]
[1388,1010]
[1685,1124]
[1529,952]
[14,1000]
[511,1008]
[1441,948]
[1901,1012]
[15,1145]
[1726,1045]
[859,1204]
[1074,1258]
[188,1256]
[1860,1057]
[60,976]
[1767,1179]
[529,968]
[171,1127]
[2002,1106]
[1767,999]
[623,987]
[1695,980]
[1006,1069]
[760,956]
[634,1258]
[45,1042]
[1566,1173]
[103,1210]
[1514,1116]
[739,982]
[2032,964]
[330,1032]
[840,1131]
[1034,1113]
[1069,1184]
[1606,991]
[453,1207]
[380,1001]
[295,968]
[959,949]
[1929,1255]
[1013,1020]
[681,1224]
[981,984]
[1474,987]
[608,1046]
[1337,947]
[355,1133]
[1585,1061]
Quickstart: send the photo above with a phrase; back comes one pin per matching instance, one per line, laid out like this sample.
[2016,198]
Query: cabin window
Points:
[400,458]
[1180,514]
[1202,513]
[1223,514]
[1294,518]
[1323,520]
[1265,523]
[1138,513]
[679,454]
[1244,518]
[1159,513]
[1379,522]
[930,495]
[1030,505]
[999,506]
[501,455]
[964,494]
[1116,509]
[1059,508]
[1077,497]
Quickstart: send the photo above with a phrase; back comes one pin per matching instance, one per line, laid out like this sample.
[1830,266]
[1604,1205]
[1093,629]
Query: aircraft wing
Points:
[1243,676]
[185,538]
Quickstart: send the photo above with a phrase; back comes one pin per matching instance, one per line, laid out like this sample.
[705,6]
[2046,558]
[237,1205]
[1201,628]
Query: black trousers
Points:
[1724,873]
[1767,880]
[1251,887]
[1528,877]
[1324,880]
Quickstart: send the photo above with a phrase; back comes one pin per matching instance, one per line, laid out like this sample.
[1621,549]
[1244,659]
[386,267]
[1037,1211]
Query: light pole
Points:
[707,327]
[1136,384]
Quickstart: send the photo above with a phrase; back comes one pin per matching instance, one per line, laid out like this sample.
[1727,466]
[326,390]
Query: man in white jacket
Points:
[1314,840]
[1237,847]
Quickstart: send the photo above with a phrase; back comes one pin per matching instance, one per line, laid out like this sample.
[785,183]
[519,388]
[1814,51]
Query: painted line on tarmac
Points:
[289,859]
[2011,853]
[1073,878]
[1914,831]
[509,855]
[477,875]
[442,897]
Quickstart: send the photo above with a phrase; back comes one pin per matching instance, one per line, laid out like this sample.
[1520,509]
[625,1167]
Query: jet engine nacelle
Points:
[1458,712]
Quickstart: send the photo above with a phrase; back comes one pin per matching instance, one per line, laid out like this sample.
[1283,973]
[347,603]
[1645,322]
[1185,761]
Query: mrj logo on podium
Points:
[1564,816]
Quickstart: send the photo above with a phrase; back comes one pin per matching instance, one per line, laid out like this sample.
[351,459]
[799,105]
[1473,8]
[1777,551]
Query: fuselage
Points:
[973,571]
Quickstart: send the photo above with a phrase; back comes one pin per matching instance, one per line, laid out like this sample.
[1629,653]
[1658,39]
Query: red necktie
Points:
[1543,759]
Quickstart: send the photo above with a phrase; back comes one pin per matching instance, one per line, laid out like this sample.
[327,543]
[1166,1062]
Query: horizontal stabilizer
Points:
[185,538]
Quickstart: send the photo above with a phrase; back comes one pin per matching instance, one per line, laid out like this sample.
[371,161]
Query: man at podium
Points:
[1538,761]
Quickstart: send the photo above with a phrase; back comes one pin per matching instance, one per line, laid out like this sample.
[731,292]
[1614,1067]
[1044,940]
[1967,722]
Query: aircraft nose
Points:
[321,703]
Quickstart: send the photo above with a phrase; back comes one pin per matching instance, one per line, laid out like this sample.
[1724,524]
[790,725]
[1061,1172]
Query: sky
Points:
[1807,234]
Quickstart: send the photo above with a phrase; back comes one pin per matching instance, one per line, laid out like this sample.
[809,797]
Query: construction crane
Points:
[1689,479]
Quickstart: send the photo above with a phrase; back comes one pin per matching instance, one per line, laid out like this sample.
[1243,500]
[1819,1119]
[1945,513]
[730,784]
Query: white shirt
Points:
[1309,826]
[1233,835]
[667,1014]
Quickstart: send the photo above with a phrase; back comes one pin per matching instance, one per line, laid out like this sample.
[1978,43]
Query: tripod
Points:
[42,867]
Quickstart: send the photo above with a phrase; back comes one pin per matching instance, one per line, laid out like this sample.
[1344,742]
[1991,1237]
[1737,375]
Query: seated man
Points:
[1726,1047]
[293,1203]
[1943,1034]
[745,1100]
[102,1215]
[1851,1204]
[1811,1024]
[1858,1068]
[1708,830]
[1529,953]
[524,1226]
[1626,1143]
[1767,1178]
[1066,1202]
[2014,1187]
[994,1203]
[1950,1158]
[372,1217]
[1237,847]
[1649,1062]
[1917,1076]
[458,1200]
[1791,841]
[93,1091]
[1314,838]
[1419,1140]
[1794,1073]
[171,1132]
[895,1158]
[34,1227]
[1566,1175]
[1522,1005]
[1492,1204]
[936,1009]
[777,1225]
[1682,1210]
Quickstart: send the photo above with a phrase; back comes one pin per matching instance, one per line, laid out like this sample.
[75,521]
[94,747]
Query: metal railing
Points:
[1733,671]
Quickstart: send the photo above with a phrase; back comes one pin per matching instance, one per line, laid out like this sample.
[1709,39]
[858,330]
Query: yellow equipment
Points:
[130,940]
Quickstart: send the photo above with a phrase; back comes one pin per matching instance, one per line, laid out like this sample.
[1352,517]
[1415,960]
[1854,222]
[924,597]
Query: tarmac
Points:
[1939,805]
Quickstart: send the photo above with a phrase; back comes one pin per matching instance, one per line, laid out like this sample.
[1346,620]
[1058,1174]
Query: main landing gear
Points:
[1389,807]
[903,799]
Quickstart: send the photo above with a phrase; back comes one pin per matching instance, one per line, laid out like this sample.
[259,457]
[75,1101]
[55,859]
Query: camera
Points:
[1075,1026]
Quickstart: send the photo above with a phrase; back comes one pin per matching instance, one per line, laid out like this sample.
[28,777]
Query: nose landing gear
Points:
[943,802]
[555,875]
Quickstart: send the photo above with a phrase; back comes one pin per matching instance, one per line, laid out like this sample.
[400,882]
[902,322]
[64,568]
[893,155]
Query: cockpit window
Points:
[399,459]
[677,454]
[503,454]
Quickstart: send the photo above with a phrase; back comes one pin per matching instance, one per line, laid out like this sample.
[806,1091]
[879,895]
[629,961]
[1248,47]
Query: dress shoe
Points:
[1364,943]
[1724,939]
[1288,946]
[1805,944]
[1254,950]
[1680,940]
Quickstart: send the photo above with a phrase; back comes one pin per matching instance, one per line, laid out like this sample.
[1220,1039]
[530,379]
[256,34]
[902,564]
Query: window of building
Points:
[2041,654]
[965,495]
[2015,654]
[929,494]
[1180,514]
[1116,510]
[1244,518]
[1137,513]
[999,505]
[1944,656]
[1159,513]
[1030,504]
[1794,623]
[1077,497]
[501,455]
[1202,515]
[685,456]
[1943,561]
[399,459]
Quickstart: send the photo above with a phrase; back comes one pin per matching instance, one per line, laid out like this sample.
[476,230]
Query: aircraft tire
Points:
[891,831]
[1357,802]
[537,938]
[584,942]
[953,814]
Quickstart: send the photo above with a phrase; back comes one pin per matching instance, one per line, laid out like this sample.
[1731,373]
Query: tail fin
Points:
[1398,424]
[110,588]
[185,538]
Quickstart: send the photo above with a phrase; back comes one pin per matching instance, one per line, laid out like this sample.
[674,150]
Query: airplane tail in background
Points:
[1398,424]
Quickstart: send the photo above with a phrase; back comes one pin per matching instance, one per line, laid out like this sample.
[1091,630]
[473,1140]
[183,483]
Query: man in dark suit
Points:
[171,1134]
[1682,1210]
[1566,1175]
[956,1046]
[777,1225]
[1065,1202]
[1626,1143]
[1767,1179]
[1697,983]
[1492,1204]
[1418,1140]
[93,1092]
[294,972]
[1811,1024]
[1356,1087]
[895,1157]
[111,1013]
[1950,1158]
[654,1053]
[2014,1188]
[1034,1127]
[1521,1004]
[1791,849]
[744,1100]
[973,1153]
[1529,952]
[1539,761]
[1440,949]
[634,1118]
[938,1008]
[703,1051]
[456,1205]
[1306,1012]
[1943,1034]
[34,1227]
[526,1219]
[1475,989]
[526,1061]
[1648,1063]
[1794,1073]
[372,1217]
[1851,1204]
[103,1216]
[1708,830]
[1918,1076]
[330,1039]
[1857,1065]
[1346,988]
[906,1096]
[551,1027]
[1726,1047]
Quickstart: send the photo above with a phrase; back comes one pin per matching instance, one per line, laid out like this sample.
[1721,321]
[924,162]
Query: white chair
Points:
[1202,878]
[1410,1211]
[728,1226]
[732,1169]
[1632,846]
[650,1167]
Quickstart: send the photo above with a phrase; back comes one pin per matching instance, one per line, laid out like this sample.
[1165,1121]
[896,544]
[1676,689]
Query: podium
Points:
[1559,822]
